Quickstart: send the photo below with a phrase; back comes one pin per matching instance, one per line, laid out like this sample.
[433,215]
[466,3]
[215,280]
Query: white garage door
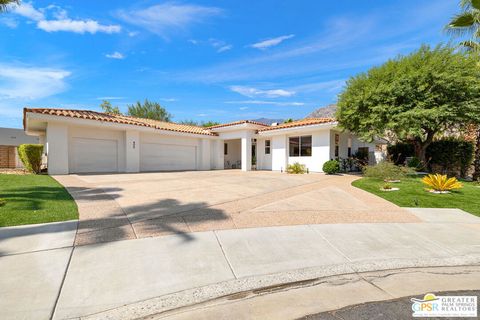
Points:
[94,155]
[167,157]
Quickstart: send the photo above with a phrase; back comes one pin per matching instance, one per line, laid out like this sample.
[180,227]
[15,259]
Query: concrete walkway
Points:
[42,274]
[134,206]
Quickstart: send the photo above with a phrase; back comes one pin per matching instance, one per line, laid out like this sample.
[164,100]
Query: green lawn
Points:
[412,194]
[34,199]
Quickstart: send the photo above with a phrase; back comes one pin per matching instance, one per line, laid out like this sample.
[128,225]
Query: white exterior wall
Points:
[132,151]
[279,153]
[88,132]
[15,137]
[216,155]
[320,151]
[205,153]
[57,148]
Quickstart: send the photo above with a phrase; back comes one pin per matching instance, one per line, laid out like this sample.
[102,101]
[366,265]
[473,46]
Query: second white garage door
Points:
[93,155]
[167,157]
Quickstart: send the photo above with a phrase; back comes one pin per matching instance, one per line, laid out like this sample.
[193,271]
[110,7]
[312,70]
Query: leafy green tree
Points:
[467,23]
[288,120]
[209,123]
[199,124]
[4,4]
[108,108]
[150,110]
[413,98]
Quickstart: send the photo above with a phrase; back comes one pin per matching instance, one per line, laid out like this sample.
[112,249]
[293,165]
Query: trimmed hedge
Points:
[449,155]
[331,167]
[31,156]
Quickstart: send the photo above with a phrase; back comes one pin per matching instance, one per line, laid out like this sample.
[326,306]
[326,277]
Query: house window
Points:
[337,151]
[225,148]
[300,146]
[349,152]
[267,146]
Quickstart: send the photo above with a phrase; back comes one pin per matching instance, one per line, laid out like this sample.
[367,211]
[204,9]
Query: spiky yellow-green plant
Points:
[440,182]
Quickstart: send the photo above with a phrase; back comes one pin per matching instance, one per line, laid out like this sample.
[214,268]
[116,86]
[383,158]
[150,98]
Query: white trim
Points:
[273,132]
[111,125]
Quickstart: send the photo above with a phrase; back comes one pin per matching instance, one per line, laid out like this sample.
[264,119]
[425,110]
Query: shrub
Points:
[385,170]
[440,182]
[399,152]
[415,164]
[31,156]
[2,202]
[296,168]
[331,167]
[451,155]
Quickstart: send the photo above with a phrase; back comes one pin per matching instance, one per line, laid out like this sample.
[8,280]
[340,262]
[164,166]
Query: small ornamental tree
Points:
[412,98]
[31,156]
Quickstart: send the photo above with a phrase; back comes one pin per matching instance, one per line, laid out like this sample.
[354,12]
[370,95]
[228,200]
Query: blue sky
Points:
[203,60]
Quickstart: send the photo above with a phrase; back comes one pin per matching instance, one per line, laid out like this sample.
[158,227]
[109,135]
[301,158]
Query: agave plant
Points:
[441,183]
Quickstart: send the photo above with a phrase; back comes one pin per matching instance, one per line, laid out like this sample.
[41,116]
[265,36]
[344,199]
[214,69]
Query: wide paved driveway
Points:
[127,206]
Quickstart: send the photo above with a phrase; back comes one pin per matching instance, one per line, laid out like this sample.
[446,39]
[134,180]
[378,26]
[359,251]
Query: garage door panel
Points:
[94,155]
[165,157]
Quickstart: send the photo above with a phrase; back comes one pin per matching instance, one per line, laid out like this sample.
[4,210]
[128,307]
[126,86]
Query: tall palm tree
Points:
[467,24]
[4,4]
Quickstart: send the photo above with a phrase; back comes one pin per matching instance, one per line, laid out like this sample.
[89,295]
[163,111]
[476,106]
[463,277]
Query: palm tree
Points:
[5,3]
[467,24]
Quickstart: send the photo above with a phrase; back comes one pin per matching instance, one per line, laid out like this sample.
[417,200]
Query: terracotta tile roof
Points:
[299,123]
[237,123]
[121,119]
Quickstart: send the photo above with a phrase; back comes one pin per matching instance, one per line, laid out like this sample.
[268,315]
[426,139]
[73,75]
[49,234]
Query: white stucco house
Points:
[80,141]
[10,139]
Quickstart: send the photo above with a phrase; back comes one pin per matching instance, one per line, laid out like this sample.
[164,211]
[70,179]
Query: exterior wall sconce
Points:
[133,144]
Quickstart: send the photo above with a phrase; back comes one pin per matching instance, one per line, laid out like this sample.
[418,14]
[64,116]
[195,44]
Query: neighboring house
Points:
[10,139]
[80,141]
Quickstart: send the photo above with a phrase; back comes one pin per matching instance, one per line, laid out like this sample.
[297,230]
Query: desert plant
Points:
[385,170]
[296,168]
[31,156]
[387,186]
[331,167]
[441,183]
[2,202]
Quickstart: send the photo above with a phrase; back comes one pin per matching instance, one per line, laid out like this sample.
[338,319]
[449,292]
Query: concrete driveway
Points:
[128,206]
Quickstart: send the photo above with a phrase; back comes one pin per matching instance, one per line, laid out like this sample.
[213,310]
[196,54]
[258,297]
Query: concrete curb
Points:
[236,289]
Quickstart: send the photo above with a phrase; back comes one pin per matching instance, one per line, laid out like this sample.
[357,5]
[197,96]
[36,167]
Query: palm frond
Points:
[462,20]
[471,45]
[6,4]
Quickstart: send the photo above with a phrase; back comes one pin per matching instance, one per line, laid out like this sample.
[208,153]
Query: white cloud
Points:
[77,26]
[28,83]
[27,10]
[9,22]
[271,42]
[263,102]
[243,108]
[115,55]
[60,21]
[163,19]
[169,99]
[225,48]
[254,92]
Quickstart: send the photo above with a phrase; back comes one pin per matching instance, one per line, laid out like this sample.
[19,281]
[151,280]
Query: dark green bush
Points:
[451,155]
[296,168]
[31,156]
[331,167]
[399,152]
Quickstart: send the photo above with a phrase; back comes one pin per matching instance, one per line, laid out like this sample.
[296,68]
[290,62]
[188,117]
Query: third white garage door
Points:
[167,157]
